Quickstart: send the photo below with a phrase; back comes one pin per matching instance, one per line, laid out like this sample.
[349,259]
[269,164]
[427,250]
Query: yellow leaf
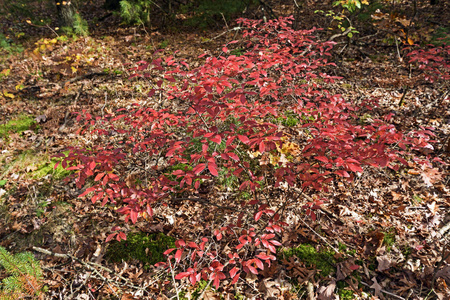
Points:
[9,95]
[29,21]
[410,41]
[365,2]
[74,70]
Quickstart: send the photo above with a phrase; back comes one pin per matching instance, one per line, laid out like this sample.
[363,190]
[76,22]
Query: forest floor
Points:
[394,225]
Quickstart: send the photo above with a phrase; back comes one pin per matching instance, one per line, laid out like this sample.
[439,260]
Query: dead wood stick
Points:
[385,292]
[90,265]
[205,201]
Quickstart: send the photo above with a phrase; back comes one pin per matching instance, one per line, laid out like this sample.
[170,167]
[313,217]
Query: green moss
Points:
[18,125]
[323,260]
[345,294]
[49,168]
[146,248]
[389,239]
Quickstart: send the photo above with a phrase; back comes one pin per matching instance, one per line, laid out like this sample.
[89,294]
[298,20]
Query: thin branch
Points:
[384,291]
[90,265]
[225,32]
[205,201]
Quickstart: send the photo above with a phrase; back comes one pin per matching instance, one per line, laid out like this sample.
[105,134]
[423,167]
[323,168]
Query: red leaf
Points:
[199,168]
[168,251]
[262,147]
[354,267]
[134,216]
[193,279]
[355,168]
[243,139]
[276,243]
[218,235]
[110,237]
[178,255]
[87,191]
[192,245]
[121,236]
[217,139]
[99,176]
[182,275]
[216,282]
[235,278]
[322,159]
[225,49]
[233,156]
[213,169]
[259,263]
[253,270]
[233,272]
[258,215]
[113,177]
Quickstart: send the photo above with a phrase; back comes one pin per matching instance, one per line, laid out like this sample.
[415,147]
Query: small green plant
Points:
[441,36]
[136,11]
[164,44]
[351,5]
[290,119]
[25,280]
[205,12]
[345,294]
[237,52]
[17,125]
[322,260]
[146,248]
[80,27]
[343,23]
[389,239]
[199,288]
[8,46]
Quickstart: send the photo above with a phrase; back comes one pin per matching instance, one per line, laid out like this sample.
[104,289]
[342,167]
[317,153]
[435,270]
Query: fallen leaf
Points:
[384,263]
[376,287]
[326,293]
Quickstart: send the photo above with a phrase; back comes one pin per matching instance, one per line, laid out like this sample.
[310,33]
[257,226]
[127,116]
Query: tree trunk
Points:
[66,12]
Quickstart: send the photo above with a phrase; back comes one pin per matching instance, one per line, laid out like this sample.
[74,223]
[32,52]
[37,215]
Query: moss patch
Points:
[323,260]
[17,125]
[146,248]
[35,165]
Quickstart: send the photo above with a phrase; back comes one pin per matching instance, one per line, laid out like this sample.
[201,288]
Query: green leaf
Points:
[3,182]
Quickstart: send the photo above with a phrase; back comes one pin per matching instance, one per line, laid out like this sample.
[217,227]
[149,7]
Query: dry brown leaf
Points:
[384,263]
[376,287]
[327,293]
[431,176]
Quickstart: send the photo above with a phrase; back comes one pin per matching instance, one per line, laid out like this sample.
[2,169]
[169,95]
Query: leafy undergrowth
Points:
[232,157]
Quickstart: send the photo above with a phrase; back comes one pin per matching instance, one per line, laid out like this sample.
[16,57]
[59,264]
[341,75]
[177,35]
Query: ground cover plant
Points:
[224,123]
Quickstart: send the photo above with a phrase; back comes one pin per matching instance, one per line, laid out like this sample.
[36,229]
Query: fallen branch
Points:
[91,266]
[385,292]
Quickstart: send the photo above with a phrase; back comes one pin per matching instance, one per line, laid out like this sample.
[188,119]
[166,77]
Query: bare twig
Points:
[91,266]
[225,32]
[347,31]
[205,201]
[384,291]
